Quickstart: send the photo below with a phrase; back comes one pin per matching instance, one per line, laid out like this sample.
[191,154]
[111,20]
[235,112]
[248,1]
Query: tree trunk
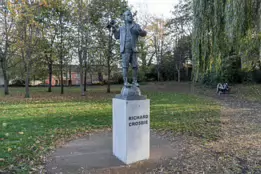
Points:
[178,70]
[91,77]
[61,66]
[4,58]
[86,57]
[81,73]
[260,32]
[82,84]
[108,62]
[66,77]
[61,52]
[108,81]
[6,82]
[85,76]
[50,68]
[161,56]
[27,59]
[179,75]
[81,50]
[158,73]
[157,57]
[85,67]
[70,75]
[27,81]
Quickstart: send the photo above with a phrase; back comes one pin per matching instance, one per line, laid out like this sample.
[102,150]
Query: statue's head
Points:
[128,16]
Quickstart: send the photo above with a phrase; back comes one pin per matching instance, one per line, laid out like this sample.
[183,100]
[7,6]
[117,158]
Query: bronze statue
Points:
[128,35]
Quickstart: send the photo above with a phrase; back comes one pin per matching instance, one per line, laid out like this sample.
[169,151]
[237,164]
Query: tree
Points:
[161,42]
[28,34]
[225,33]
[81,8]
[6,50]
[180,30]
[102,12]
[182,51]
[180,24]
[49,17]
[62,11]
[145,44]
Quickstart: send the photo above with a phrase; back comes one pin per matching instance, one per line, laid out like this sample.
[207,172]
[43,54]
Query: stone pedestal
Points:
[131,127]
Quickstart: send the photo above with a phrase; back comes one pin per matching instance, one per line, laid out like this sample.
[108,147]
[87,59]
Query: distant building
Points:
[97,74]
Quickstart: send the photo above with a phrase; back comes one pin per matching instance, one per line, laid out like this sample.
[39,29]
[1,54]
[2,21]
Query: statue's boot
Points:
[125,79]
[135,83]
[126,83]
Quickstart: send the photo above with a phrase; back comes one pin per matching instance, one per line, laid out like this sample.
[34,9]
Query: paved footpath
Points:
[93,154]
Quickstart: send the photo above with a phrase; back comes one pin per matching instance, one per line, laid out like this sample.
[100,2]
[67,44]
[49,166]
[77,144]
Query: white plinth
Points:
[131,130]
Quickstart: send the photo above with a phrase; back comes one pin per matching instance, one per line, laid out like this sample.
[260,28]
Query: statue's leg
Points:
[125,67]
[125,78]
[134,63]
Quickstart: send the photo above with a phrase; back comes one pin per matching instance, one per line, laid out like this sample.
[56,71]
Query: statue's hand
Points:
[114,29]
[116,32]
[143,33]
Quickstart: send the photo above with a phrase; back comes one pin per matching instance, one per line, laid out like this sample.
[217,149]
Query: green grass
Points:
[30,128]
[188,114]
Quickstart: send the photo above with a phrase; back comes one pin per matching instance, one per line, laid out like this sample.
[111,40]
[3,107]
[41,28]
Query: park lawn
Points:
[30,128]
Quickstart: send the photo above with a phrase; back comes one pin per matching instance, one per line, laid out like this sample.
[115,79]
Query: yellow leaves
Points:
[9,149]
[45,3]
[4,124]
[9,4]
[37,142]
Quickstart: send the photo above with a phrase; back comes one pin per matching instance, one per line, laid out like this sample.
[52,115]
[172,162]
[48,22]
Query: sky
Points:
[156,7]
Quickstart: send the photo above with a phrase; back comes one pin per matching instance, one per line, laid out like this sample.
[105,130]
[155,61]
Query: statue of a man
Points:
[128,35]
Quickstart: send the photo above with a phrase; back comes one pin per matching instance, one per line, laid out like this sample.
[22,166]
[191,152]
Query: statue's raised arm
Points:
[115,30]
